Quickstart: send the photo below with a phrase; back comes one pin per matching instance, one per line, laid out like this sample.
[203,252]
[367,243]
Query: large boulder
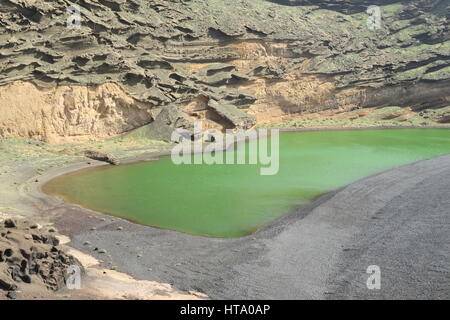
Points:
[32,255]
[236,117]
[166,122]
[100,156]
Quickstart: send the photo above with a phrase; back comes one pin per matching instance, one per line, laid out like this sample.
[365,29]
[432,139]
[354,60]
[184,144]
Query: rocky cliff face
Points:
[265,59]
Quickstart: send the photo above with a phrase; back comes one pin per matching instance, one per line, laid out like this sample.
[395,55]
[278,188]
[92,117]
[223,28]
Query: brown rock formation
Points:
[30,256]
[131,59]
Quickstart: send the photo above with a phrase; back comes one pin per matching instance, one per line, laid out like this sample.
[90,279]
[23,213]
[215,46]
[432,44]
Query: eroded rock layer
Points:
[31,256]
[131,59]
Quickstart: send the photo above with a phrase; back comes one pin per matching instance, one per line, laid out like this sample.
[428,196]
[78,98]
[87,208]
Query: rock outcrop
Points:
[100,156]
[266,58]
[69,113]
[234,116]
[31,256]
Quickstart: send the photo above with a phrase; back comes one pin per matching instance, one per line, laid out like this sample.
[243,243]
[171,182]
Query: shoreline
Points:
[235,268]
[155,156]
[60,213]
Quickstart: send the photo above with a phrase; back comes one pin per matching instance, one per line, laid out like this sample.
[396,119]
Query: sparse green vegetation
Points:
[382,117]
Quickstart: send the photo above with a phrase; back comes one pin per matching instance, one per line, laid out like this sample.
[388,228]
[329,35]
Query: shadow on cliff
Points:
[344,6]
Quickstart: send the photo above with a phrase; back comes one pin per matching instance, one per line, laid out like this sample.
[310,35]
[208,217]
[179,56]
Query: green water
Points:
[235,200]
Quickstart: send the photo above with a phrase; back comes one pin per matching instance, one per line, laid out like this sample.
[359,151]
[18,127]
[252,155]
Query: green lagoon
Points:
[235,200]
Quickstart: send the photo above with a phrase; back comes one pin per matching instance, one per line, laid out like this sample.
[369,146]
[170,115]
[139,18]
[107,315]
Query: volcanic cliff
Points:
[232,64]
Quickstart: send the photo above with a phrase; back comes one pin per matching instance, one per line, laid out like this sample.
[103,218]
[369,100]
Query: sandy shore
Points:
[25,166]
[397,220]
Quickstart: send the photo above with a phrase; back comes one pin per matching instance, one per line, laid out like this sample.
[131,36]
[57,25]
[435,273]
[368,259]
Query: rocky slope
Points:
[261,61]
[31,257]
